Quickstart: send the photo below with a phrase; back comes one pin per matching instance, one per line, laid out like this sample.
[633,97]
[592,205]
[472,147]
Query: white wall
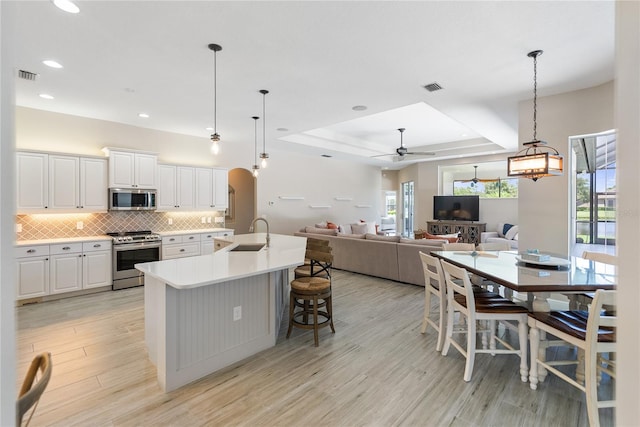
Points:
[628,151]
[319,180]
[543,207]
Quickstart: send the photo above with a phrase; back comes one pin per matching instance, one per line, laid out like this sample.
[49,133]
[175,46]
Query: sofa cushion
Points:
[352,236]
[316,230]
[370,236]
[424,242]
[511,233]
[359,228]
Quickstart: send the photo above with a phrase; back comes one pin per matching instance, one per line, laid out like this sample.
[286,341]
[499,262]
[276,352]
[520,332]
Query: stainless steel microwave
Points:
[132,199]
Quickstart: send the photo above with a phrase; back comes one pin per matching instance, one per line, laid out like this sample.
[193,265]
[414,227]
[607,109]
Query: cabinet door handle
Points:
[66,248]
[209,236]
[181,250]
[97,245]
[191,238]
[31,251]
[80,256]
[172,239]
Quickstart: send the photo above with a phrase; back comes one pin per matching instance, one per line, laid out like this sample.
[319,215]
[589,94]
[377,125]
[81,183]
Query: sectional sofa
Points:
[389,257]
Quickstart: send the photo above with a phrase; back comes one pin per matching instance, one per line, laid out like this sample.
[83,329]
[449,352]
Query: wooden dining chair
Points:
[458,246]
[32,390]
[594,333]
[481,306]
[434,285]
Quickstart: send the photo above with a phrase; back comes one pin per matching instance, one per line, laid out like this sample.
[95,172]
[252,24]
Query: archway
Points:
[242,200]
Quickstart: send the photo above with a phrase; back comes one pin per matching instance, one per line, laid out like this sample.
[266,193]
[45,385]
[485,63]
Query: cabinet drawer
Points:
[65,248]
[190,238]
[225,233]
[208,236]
[171,240]
[96,246]
[179,251]
[29,251]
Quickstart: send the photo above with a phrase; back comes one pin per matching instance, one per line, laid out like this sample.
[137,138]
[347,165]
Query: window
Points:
[487,188]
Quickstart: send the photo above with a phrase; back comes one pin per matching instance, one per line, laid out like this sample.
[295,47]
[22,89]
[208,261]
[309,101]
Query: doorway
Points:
[594,192]
[407,208]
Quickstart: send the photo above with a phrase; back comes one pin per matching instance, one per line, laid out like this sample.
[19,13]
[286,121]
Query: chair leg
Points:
[492,340]
[591,389]
[315,320]
[330,312]
[292,304]
[534,338]
[441,330]
[427,309]
[448,337]
[522,335]
[471,351]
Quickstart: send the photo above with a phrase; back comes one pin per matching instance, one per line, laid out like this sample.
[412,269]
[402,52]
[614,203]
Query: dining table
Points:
[521,272]
[555,274]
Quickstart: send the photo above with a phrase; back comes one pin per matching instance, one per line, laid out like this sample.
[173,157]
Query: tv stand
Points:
[469,231]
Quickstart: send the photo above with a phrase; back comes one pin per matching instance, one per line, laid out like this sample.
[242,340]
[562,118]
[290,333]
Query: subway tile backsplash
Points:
[53,226]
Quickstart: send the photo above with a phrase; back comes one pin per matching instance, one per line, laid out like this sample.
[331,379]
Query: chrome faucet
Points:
[265,221]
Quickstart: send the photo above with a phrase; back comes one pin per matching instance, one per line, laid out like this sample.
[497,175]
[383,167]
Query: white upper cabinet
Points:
[176,187]
[212,189]
[50,182]
[128,169]
[32,170]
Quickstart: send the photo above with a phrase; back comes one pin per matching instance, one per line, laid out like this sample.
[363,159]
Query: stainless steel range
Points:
[129,249]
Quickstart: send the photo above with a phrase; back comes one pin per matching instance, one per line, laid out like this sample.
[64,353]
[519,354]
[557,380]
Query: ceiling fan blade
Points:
[384,155]
[421,153]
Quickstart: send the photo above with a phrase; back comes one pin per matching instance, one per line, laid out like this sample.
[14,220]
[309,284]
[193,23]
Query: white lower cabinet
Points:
[32,271]
[65,267]
[180,246]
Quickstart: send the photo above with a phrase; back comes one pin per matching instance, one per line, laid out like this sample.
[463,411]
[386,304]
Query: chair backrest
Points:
[433,275]
[494,246]
[602,317]
[458,247]
[600,257]
[29,392]
[320,257]
[458,282]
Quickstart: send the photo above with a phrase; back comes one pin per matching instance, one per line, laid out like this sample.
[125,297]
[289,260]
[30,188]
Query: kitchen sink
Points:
[248,247]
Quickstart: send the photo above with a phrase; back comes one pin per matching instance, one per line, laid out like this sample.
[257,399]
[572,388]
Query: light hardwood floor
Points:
[377,370]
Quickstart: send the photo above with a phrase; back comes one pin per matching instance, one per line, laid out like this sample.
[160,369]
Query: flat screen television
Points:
[456,208]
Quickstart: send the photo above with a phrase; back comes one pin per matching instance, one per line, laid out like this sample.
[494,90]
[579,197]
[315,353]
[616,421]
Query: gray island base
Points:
[207,312]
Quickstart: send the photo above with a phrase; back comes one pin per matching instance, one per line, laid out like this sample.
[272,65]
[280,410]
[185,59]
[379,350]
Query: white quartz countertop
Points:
[225,265]
[198,231]
[64,240]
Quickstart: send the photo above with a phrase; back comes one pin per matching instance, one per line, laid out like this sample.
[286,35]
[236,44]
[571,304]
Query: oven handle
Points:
[128,247]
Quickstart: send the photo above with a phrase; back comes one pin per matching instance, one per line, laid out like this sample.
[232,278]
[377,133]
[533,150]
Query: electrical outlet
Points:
[237,313]
[208,220]
[18,228]
[79,225]
[219,220]
[204,220]
[170,221]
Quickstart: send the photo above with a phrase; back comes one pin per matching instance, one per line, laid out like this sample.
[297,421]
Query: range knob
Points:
[119,239]
[129,238]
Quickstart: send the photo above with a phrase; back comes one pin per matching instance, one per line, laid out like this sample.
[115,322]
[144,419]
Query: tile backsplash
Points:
[53,226]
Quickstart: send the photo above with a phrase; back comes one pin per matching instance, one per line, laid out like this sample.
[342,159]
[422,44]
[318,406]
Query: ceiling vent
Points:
[432,87]
[27,75]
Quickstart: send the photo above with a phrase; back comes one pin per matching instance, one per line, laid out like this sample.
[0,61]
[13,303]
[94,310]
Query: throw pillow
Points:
[331,226]
[505,229]
[359,228]
[344,229]
[446,237]
[511,233]
[321,225]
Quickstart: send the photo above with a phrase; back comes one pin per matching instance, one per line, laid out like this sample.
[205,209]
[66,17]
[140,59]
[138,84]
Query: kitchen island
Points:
[207,312]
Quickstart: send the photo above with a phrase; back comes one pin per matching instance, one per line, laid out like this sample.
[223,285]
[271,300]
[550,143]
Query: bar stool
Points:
[311,292]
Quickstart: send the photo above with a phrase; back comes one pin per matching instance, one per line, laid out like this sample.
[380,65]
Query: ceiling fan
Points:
[404,151]
[475,178]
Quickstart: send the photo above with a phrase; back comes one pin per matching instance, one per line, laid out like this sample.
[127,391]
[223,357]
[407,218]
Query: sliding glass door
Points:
[407,208]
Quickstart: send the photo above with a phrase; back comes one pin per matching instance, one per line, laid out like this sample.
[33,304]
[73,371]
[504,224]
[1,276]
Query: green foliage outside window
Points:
[493,189]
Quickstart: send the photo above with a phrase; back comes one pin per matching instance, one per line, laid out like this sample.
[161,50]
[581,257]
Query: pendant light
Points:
[215,136]
[536,160]
[264,155]
[255,168]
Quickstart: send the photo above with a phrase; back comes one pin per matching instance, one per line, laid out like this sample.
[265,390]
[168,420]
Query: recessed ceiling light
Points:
[51,63]
[143,115]
[45,96]
[282,130]
[359,107]
[463,135]
[208,129]
[66,5]
[129,90]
